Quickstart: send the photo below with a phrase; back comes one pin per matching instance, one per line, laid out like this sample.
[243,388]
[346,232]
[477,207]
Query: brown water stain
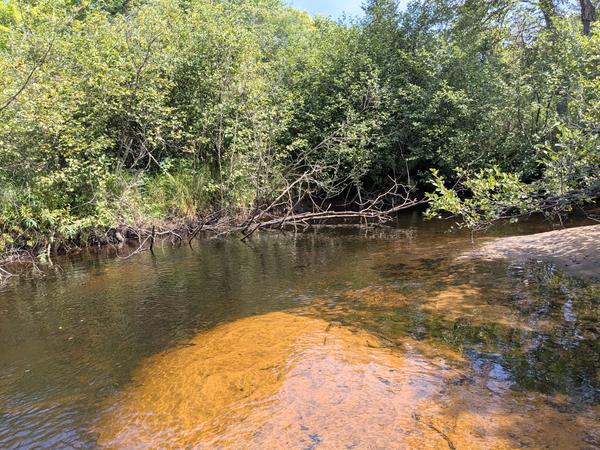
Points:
[286,381]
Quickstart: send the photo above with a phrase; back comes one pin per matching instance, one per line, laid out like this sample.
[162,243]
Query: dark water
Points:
[70,342]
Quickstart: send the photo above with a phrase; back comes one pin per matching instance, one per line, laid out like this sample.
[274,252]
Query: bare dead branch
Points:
[378,208]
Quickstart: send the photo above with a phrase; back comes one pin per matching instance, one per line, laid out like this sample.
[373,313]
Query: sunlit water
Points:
[332,339]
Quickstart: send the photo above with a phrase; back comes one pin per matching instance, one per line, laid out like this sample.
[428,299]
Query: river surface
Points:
[340,338]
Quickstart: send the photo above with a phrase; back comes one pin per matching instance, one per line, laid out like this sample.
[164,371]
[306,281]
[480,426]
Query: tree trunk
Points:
[588,15]
[549,12]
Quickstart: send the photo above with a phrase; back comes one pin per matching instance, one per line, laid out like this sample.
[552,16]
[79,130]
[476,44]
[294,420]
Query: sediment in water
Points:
[288,381]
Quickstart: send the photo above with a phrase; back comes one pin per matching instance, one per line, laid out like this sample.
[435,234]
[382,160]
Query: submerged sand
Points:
[574,250]
[287,381]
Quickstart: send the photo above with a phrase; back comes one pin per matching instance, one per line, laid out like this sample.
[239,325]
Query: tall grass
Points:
[181,193]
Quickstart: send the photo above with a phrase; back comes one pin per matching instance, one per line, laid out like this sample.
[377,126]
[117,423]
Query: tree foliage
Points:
[133,111]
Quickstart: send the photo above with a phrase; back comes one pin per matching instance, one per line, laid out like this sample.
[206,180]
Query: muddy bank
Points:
[285,381]
[574,250]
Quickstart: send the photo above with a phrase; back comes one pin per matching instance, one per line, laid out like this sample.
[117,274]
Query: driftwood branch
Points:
[5,274]
[203,225]
[379,208]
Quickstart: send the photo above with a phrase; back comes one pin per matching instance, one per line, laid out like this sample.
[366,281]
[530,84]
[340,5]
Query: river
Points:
[337,338]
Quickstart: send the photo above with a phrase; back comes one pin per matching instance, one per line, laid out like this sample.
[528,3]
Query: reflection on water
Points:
[471,348]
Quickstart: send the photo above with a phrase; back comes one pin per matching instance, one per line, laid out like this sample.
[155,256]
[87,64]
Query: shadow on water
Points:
[487,341]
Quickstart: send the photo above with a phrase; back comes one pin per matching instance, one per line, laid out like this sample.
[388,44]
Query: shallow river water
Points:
[332,339]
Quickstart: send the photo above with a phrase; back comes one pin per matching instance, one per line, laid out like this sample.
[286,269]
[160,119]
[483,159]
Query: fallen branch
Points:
[152,238]
[379,209]
[139,249]
[5,274]
[203,225]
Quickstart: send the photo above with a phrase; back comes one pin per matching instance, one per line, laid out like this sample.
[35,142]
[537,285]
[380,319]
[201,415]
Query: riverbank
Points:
[127,239]
[143,233]
[574,250]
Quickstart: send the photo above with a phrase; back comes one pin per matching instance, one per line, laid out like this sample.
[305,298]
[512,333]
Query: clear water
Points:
[71,342]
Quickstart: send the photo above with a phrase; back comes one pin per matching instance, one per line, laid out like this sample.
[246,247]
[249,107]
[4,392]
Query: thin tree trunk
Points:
[549,12]
[588,15]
